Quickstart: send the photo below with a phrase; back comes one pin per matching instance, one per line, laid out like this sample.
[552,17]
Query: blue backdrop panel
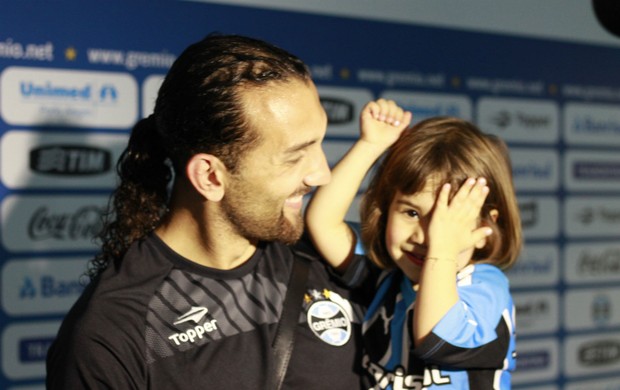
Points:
[75,76]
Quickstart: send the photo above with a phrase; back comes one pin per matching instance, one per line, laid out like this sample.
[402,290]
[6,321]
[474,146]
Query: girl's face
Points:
[406,231]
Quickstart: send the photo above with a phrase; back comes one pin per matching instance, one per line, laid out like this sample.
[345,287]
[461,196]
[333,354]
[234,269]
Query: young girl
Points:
[442,316]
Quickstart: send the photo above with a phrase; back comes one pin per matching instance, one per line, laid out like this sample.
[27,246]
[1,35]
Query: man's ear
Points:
[206,173]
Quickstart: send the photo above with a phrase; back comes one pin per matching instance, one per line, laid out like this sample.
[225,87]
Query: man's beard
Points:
[260,219]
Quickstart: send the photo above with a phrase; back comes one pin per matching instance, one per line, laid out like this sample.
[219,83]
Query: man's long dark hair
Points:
[198,110]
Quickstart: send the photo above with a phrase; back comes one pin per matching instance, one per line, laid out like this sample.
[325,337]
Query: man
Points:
[188,290]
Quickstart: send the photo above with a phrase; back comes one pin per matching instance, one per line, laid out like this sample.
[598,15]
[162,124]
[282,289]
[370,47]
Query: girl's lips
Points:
[415,259]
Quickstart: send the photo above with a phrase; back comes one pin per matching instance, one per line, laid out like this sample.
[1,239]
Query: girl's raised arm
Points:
[381,123]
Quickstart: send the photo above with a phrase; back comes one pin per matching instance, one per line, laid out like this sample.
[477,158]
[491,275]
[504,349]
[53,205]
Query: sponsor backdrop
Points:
[75,77]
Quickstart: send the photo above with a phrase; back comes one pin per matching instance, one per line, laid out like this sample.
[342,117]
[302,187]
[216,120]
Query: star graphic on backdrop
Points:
[70,54]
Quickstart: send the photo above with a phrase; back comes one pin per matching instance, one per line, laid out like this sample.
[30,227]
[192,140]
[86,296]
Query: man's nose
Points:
[320,173]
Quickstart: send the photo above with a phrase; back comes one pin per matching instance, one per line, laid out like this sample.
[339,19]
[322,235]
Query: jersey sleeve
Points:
[89,364]
[475,333]
[96,348]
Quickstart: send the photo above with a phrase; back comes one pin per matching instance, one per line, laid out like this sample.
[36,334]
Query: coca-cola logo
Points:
[83,223]
[606,262]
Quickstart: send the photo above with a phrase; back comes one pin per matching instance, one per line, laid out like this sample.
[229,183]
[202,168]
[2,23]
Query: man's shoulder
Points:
[302,248]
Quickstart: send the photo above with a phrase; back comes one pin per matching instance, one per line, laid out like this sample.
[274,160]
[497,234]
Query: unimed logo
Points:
[69,160]
[73,98]
[533,360]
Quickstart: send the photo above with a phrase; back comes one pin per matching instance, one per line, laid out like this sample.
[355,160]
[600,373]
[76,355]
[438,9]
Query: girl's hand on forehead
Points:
[382,121]
[454,225]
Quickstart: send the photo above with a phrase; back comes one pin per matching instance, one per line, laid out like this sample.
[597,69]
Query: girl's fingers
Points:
[479,235]
[479,193]
[444,195]
[472,189]
[374,109]
[464,191]
[389,112]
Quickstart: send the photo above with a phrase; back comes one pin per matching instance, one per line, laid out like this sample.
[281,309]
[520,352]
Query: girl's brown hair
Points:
[450,150]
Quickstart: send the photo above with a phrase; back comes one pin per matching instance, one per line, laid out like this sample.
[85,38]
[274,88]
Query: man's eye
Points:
[294,161]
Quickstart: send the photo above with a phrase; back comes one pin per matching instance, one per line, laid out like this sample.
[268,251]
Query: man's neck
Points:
[210,244]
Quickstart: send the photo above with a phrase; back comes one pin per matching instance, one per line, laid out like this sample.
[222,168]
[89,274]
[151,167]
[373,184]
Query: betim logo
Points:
[338,111]
[34,349]
[70,160]
[596,170]
[600,353]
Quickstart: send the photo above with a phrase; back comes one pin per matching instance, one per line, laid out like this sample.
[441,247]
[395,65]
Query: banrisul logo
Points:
[329,316]
[70,160]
